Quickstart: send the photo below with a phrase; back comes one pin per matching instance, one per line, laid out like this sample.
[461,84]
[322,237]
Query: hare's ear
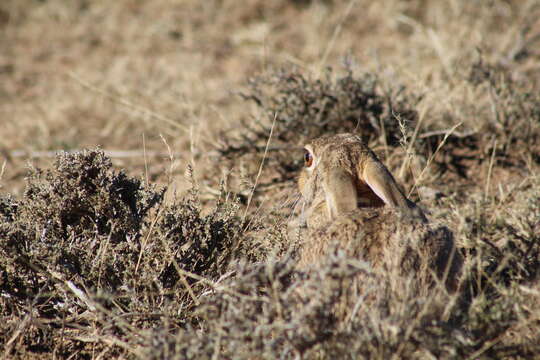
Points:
[381,181]
[340,192]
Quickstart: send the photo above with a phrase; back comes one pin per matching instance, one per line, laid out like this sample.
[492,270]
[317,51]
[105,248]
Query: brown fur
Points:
[342,212]
[344,170]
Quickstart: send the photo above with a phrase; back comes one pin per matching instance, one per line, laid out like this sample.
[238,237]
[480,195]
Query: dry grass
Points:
[97,263]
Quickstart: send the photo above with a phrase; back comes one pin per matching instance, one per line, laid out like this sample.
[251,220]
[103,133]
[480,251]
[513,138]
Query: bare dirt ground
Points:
[213,100]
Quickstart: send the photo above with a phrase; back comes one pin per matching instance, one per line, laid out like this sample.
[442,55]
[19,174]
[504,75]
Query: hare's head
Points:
[341,174]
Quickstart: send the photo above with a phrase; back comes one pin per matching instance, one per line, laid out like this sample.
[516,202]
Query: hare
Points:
[345,188]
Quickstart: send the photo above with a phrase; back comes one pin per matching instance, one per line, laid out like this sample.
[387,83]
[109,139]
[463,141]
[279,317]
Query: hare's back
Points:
[363,234]
[384,238]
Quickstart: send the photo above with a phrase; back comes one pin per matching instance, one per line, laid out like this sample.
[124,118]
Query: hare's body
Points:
[344,187]
[378,236]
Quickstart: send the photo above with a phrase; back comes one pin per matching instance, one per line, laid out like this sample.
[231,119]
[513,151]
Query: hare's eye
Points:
[308,159]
